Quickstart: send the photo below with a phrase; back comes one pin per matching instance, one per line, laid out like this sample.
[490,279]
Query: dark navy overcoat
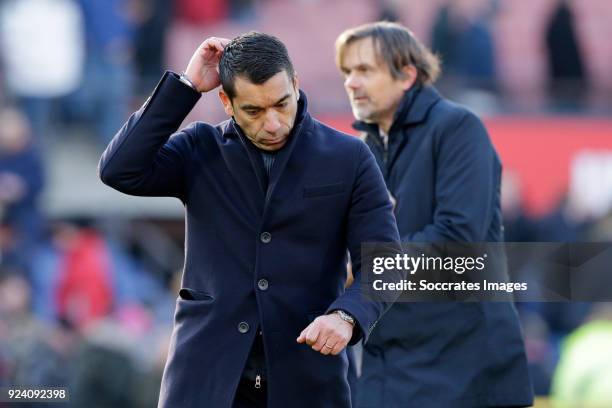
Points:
[269,255]
[444,173]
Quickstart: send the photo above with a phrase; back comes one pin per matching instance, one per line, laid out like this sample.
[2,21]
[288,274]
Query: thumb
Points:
[302,337]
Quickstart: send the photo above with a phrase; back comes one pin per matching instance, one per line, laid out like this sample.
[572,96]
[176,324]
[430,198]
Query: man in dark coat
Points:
[273,200]
[444,176]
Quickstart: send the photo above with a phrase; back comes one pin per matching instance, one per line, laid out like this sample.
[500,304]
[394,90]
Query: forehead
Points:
[360,52]
[264,94]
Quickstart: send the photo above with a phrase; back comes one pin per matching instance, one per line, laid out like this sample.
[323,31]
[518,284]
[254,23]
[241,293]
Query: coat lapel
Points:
[243,167]
[302,122]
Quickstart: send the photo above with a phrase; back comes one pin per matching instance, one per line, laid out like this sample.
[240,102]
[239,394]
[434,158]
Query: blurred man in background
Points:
[22,181]
[444,176]
[260,278]
[36,34]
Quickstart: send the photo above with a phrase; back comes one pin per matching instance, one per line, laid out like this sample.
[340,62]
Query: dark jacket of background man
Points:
[445,175]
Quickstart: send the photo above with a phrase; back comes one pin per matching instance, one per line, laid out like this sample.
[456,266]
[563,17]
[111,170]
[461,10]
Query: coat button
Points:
[243,327]
[262,284]
[265,237]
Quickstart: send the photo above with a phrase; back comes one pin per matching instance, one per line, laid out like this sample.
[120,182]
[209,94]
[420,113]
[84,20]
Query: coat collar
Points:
[244,156]
[413,109]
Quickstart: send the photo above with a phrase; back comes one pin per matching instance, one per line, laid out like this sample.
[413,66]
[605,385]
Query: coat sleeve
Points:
[370,220]
[146,157]
[467,172]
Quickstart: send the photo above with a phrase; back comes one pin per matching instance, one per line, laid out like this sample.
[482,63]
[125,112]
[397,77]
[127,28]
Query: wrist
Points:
[187,81]
[347,317]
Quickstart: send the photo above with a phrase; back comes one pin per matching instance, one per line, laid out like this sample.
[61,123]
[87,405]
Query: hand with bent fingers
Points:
[203,68]
[327,334]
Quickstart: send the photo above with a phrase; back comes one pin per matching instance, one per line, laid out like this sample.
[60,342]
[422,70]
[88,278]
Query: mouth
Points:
[359,99]
[272,143]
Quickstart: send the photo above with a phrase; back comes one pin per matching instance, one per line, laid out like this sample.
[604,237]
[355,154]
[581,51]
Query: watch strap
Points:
[183,78]
[345,316]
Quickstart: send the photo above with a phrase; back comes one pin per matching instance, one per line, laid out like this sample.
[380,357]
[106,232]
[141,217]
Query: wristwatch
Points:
[183,78]
[345,316]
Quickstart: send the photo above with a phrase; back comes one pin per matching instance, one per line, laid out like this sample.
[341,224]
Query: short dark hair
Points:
[396,46]
[254,55]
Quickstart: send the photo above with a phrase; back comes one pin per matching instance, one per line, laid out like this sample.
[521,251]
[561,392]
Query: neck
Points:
[386,120]
[385,123]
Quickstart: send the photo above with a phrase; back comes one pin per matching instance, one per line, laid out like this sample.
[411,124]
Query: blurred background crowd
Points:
[88,278]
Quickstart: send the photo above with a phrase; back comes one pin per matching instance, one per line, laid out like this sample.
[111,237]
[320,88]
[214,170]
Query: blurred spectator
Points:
[104,370]
[122,353]
[566,66]
[242,10]
[202,12]
[583,377]
[461,34]
[36,354]
[126,278]
[109,81]
[518,226]
[21,183]
[84,292]
[564,224]
[567,222]
[43,54]
[102,364]
[154,18]
[541,352]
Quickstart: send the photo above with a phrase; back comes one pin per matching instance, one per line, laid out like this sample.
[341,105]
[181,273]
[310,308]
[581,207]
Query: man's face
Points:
[265,113]
[373,92]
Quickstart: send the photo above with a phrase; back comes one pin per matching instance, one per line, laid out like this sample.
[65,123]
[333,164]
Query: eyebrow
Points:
[361,65]
[255,107]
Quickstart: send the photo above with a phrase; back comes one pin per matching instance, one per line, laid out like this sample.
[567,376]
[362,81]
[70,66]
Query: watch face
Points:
[346,317]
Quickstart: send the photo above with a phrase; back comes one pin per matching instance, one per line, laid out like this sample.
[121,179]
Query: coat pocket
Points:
[323,190]
[194,295]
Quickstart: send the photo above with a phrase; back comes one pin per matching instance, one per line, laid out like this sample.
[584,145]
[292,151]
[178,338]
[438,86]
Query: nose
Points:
[352,82]
[272,123]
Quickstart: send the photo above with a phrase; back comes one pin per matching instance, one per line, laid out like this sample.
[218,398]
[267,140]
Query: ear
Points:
[410,75]
[227,103]
[296,86]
